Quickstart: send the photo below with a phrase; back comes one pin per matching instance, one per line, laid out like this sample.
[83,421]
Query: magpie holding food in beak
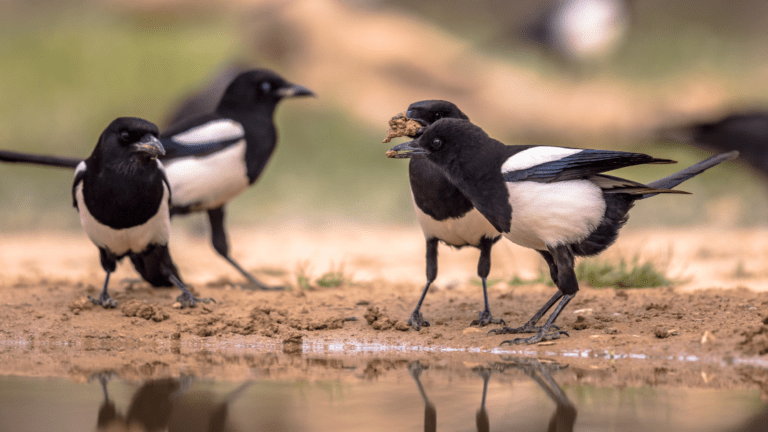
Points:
[445,214]
[123,197]
[554,200]
[213,158]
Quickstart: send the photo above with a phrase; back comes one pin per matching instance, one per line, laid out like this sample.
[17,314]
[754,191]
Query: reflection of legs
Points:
[107,412]
[483,268]
[417,319]
[430,413]
[220,244]
[481,418]
[108,263]
[564,416]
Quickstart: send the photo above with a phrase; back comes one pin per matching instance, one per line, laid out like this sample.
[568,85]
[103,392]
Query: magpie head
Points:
[259,87]
[443,142]
[130,139]
[427,112]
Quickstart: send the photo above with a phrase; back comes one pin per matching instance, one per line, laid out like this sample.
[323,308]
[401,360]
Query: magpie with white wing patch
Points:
[123,197]
[552,199]
[211,159]
[445,214]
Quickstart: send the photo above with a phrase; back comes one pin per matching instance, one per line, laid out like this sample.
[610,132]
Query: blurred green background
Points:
[68,68]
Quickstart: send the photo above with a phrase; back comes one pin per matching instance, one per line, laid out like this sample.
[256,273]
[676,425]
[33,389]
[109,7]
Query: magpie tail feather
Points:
[54,161]
[675,179]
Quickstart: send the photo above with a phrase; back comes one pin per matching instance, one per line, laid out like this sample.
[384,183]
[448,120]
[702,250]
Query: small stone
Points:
[662,332]
[402,326]
[176,305]
[611,330]
[469,330]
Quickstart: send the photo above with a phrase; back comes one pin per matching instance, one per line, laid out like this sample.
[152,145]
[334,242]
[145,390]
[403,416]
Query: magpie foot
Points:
[417,321]
[104,300]
[188,300]
[485,318]
[256,285]
[540,336]
[527,328]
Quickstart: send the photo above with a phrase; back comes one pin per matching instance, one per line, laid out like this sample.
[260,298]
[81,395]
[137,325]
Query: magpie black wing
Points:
[201,137]
[580,165]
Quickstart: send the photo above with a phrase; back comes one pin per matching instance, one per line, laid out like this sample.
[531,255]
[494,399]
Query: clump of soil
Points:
[148,311]
[80,304]
[756,339]
[379,320]
[400,126]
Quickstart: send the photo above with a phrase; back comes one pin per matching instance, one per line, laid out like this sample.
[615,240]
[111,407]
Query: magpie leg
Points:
[417,319]
[568,285]
[220,244]
[483,268]
[530,326]
[187,299]
[108,263]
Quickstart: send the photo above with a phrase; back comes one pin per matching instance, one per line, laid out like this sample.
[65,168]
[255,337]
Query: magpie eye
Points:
[437,143]
[125,136]
[266,87]
[438,116]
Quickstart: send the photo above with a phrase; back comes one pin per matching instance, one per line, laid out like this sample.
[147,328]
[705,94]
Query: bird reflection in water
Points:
[562,420]
[168,405]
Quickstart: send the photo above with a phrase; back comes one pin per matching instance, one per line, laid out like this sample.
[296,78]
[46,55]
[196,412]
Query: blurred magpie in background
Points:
[445,214]
[746,132]
[123,197]
[554,200]
[212,158]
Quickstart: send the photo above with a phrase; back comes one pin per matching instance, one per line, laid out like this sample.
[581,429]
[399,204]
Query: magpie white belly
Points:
[551,214]
[210,181]
[122,241]
[466,230]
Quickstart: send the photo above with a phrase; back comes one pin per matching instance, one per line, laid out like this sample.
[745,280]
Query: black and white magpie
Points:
[445,214]
[554,200]
[746,132]
[123,197]
[211,159]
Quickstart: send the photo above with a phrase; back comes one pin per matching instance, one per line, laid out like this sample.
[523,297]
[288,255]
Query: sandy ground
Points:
[706,330]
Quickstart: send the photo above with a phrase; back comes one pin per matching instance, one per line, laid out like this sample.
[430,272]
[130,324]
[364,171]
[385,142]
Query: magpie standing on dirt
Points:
[445,214]
[123,197]
[554,200]
[211,159]
[746,132]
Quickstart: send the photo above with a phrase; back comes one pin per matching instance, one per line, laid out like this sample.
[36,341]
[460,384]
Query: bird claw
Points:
[104,300]
[417,321]
[485,318]
[538,337]
[189,300]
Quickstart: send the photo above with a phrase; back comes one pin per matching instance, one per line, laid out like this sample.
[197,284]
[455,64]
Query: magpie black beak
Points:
[294,90]
[409,151]
[150,145]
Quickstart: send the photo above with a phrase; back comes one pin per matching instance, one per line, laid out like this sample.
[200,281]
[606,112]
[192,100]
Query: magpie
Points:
[746,132]
[445,214]
[212,158]
[581,30]
[123,197]
[555,200]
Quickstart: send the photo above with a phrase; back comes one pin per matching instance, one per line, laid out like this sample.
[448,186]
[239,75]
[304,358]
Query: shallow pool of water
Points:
[323,393]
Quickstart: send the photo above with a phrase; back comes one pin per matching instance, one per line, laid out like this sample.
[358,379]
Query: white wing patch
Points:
[215,130]
[80,168]
[466,230]
[536,156]
[134,239]
[551,214]
[207,182]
